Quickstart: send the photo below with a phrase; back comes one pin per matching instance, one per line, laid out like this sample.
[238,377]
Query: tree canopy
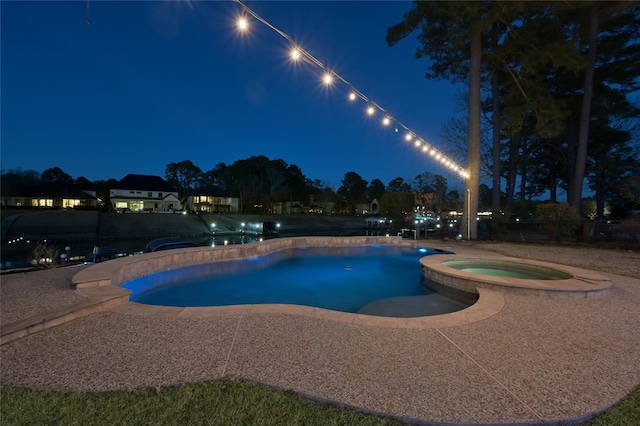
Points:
[545,70]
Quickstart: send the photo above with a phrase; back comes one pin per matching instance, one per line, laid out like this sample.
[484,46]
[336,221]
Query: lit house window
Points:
[70,203]
[42,202]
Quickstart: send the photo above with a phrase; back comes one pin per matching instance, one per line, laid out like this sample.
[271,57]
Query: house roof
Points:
[214,191]
[144,182]
[52,190]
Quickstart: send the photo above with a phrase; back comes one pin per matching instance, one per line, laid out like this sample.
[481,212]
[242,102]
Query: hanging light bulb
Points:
[295,53]
[396,128]
[371,110]
[243,23]
[327,78]
[386,121]
[408,137]
[352,94]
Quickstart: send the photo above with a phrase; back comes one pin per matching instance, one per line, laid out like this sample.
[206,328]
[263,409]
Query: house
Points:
[213,199]
[144,193]
[50,195]
[368,207]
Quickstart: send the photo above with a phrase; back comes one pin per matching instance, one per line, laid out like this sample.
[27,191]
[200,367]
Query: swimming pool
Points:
[376,280]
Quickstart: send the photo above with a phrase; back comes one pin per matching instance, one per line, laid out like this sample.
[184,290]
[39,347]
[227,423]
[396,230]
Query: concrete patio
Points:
[518,358]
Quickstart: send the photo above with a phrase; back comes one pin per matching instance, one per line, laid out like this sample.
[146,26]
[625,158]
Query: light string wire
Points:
[410,135]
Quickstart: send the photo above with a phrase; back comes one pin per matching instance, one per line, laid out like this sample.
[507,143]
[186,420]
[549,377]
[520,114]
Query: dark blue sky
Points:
[150,83]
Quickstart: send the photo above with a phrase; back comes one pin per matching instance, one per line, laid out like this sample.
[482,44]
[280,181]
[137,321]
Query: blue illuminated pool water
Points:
[345,279]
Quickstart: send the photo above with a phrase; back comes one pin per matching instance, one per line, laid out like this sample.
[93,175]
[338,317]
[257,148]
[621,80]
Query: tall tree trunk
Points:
[524,165]
[470,224]
[514,148]
[553,189]
[495,193]
[571,157]
[585,112]
[600,184]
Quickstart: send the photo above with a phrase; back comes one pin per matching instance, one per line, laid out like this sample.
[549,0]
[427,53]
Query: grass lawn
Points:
[218,402]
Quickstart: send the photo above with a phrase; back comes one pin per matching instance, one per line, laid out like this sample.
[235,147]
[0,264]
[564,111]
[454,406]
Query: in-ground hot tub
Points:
[457,273]
[508,269]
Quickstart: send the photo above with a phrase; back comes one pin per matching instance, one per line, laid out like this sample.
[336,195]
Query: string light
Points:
[327,78]
[243,24]
[297,53]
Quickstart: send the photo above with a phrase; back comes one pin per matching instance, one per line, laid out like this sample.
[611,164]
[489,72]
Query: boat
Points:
[168,243]
[100,254]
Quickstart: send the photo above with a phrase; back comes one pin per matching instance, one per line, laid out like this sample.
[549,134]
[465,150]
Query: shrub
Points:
[631,227]
[45,255]
[558,219]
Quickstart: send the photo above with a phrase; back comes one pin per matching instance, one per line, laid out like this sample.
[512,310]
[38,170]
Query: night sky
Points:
[151,83]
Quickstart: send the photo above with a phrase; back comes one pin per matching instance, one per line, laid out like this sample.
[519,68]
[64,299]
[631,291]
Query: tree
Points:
[422,182]
[352,191]
[398,185]
[486,197]
[297,182]
[375,190]
[397,206]
[220,176]
[55,174]
[103,191]
[440,191]
[83,183]
[454,202]
[630,190]
[183,176]
[612,160]
[613,26]
[276,179]
[585,110]
[452,38]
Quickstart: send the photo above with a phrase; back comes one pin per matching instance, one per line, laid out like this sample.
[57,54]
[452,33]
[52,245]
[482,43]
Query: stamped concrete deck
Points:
[519,359]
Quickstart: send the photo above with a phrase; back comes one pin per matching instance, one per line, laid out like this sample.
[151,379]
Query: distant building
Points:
[49,195]
[144,193]
[368,207]
[213,199]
